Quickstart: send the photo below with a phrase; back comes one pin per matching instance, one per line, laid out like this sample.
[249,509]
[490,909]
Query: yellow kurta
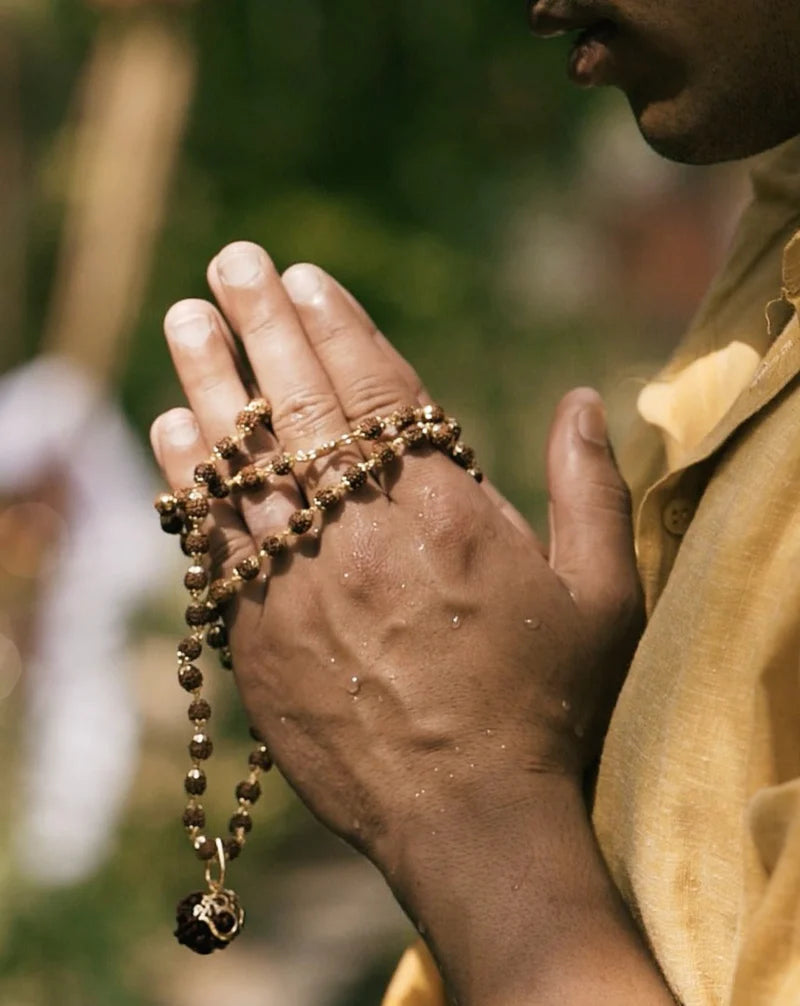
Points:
[698,799]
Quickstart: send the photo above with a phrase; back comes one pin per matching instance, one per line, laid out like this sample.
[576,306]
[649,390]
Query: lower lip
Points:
[591,63]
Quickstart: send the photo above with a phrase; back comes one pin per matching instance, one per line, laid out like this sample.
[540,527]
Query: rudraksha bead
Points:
[414,436]
[197,614]
[195,782]
[232,849]
[201,747]
[205,472]
[260,759]
[463,455]
[249,568]
[370,428]
[246,421]
[196,505]
[404,417]
[217,636]
[384,454]
[251,478]
[221,591]
[355,477]
[326,499]
[455,428]
[166,504]
[282,464]
[191,648]
[194,817]
[301,521]
[195,543]
[206,848]
[260,408]
[477,474]
[196,578]
[249,791]
[273,545]
[226,659]
[240,820]
[171,523]
[442,436]
[226,448]
[218,488]
[433,414]
[199,710]
[190,677]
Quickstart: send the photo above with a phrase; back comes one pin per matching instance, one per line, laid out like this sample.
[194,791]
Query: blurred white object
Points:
[81,728]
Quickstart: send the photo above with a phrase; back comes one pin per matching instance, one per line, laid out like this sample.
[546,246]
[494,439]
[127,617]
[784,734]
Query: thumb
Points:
[591,532]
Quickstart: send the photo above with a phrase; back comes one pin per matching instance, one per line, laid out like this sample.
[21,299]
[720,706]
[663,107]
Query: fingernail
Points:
[240,265]
[190,330]
[303,282]
[592,425]
[180,429]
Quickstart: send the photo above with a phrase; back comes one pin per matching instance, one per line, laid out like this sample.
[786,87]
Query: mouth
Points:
[593,34]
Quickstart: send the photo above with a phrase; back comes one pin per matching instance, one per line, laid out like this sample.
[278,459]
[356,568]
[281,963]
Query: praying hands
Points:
[430,677]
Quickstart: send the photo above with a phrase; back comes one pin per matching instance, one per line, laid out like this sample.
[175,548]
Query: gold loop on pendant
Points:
[215,885]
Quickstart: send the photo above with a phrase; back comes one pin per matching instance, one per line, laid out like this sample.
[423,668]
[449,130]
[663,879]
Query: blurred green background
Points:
[510,234]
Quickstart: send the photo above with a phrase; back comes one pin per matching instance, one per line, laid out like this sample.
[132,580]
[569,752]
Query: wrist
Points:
[512,896]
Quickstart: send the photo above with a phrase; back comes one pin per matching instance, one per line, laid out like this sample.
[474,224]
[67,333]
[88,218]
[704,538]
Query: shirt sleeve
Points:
[416,981]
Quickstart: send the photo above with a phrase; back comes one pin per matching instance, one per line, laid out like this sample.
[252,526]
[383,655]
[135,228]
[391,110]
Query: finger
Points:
[178,446]
[423,397]
[202,353]
[305,408]
[365,381]
[591,547]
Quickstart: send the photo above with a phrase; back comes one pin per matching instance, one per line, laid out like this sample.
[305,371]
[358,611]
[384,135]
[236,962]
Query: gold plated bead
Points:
[433,414]
[197,614]
[414,436]
[196,578]
[195,543]
[221,591]
[205,472]
[282,464]
[404,417]
[383,454]
[166,504]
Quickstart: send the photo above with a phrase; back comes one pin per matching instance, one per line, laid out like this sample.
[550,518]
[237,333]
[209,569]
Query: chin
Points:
[684,131]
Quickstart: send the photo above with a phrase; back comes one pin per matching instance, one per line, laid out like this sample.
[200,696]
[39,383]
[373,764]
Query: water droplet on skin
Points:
[566,705]
[421,928]
[433,833]
[456,621]
[502,747]
[472,764]
[402,586]
[451,775]
[435,768]
[283,720]
[420,515]
[580,731]
[356,825]
[345,576]
[421,546]
[458,749]
[515,887]
[375,525]
[489,733]
[355,686]
[416,795]
[333,660]
[533,624]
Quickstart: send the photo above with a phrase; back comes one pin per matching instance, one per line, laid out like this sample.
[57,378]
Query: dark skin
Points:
[457,761]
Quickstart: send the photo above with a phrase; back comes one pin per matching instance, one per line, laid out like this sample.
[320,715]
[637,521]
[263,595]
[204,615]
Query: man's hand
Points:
[424,668]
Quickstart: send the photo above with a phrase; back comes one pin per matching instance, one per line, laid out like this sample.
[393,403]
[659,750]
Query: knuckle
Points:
[369,394]
[304,411]
[451,520]
[594,496]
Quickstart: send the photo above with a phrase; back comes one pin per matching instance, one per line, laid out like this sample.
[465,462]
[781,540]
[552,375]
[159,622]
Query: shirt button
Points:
[677,516]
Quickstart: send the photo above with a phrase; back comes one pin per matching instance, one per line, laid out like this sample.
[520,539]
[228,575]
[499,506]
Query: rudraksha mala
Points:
[209,920]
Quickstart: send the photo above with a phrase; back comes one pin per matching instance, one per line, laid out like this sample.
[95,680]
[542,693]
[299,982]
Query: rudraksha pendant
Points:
[209,920]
